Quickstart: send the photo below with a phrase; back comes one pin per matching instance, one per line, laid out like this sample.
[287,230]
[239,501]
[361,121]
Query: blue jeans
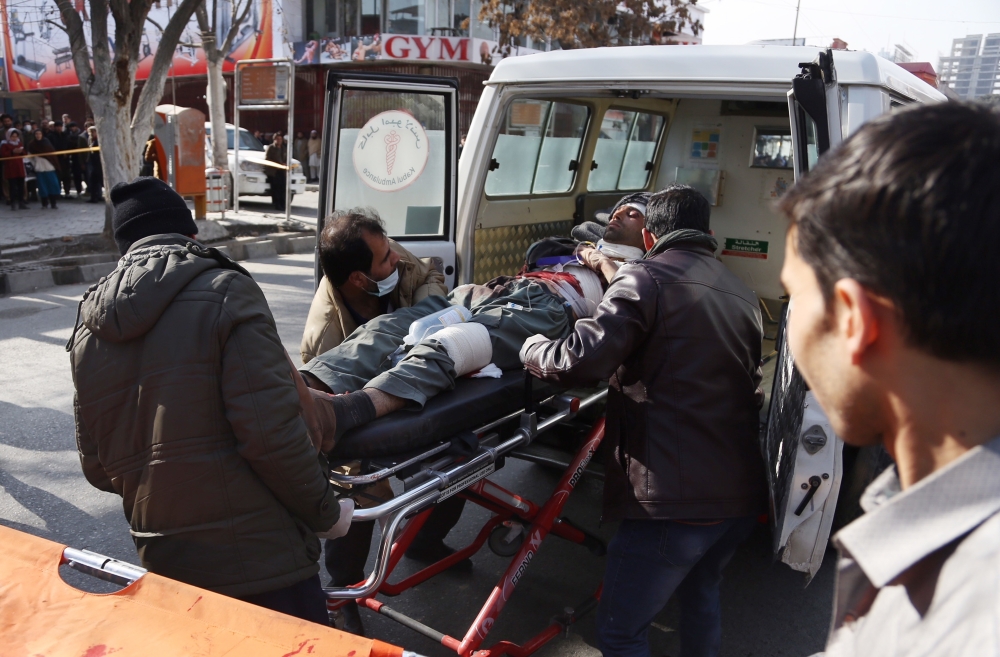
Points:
[647,561]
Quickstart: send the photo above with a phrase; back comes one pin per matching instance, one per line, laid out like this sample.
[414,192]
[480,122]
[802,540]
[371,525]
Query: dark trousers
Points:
[65,176]
[345,557]
[95,178]
[16,190]
[278,184]
[650,559]
[76,170]
[304,600]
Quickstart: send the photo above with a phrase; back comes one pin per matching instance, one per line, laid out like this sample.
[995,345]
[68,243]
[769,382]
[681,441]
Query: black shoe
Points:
[53,203]
[429,552]
[350,619]
[22,206]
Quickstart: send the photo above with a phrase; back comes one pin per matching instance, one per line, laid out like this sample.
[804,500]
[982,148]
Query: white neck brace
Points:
[619,251]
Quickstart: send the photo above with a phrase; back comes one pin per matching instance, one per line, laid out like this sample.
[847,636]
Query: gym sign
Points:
[401,46]
[391,151]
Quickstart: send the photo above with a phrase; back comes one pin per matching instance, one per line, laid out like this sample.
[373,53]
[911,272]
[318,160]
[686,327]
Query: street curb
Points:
[37,277]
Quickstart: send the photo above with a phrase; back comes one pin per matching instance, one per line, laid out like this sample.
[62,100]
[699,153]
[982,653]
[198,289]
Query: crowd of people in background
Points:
[49,160]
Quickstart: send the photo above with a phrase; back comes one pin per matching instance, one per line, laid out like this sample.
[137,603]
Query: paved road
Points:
[77,217]
[768,612]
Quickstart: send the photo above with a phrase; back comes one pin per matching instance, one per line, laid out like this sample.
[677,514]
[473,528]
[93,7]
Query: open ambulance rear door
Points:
[390,142]
[803,456]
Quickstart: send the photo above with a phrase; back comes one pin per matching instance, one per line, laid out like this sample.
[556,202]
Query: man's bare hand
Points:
[597,262]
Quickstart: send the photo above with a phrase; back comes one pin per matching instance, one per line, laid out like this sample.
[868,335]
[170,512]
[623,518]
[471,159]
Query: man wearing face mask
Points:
[368,275]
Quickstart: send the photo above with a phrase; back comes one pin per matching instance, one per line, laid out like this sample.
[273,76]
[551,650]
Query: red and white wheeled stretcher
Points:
[436,454]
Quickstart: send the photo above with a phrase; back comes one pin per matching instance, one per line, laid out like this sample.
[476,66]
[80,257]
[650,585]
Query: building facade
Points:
[417,37]
[973,68]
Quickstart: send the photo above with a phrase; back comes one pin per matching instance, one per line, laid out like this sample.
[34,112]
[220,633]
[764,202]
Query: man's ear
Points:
[648,239]
[358,280]
[857,316]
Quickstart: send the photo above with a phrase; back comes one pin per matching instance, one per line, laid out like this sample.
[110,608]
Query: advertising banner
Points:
[37,53]
[401,47]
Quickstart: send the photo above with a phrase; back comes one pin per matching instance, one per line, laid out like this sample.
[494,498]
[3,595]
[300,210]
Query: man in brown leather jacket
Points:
[679,337]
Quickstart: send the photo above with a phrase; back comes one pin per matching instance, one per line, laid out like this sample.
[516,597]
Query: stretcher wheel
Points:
[506,538]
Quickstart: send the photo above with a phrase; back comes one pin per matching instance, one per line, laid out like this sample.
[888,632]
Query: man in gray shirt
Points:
[894,322]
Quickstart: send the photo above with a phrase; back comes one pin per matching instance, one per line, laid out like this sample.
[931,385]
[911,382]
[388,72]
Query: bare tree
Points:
[576,24]
[108,78]
[235,12]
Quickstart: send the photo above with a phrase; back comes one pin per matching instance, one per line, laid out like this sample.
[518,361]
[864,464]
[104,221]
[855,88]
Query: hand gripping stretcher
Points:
[436,455]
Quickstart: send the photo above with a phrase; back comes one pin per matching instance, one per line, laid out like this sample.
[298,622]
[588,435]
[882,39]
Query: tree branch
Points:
[234,29]
[142,119]
[52,22]
[203,24]
[78,45]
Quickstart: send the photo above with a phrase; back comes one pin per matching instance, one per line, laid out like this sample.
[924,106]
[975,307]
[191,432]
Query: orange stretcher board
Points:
[42,616]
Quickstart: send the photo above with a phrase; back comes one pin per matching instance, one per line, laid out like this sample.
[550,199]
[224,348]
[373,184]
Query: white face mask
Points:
[386,285]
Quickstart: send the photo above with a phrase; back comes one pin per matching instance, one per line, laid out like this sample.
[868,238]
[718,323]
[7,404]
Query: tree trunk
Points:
[217,109]
[119,160]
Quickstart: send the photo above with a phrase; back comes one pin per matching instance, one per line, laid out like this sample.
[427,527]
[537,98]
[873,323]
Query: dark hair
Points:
[58,124]
[676,207]
[342,246]
[909,206]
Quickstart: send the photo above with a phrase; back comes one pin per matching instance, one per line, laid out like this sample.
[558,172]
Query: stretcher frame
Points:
[446,476]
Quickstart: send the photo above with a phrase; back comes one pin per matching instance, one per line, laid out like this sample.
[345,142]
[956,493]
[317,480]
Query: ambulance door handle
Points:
[814,483]
[494,165]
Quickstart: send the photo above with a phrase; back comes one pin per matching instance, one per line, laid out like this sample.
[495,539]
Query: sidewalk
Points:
[77,217]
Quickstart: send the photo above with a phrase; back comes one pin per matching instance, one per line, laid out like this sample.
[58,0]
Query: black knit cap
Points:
[148,206]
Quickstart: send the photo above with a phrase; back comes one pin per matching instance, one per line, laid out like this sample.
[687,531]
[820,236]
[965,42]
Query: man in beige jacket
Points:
[336,310]
[366,275]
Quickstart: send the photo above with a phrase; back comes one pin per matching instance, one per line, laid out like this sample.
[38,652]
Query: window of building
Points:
[407,17]
[623,157]
[538,148]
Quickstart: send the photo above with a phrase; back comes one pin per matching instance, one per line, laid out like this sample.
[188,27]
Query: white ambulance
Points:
[559,136]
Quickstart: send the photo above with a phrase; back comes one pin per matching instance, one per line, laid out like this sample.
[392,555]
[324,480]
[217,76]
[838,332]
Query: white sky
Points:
[925,27]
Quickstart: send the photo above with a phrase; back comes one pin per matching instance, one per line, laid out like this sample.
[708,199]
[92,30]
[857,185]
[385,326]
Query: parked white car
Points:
[253,182]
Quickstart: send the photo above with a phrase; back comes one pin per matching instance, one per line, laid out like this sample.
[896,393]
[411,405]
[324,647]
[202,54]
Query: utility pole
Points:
[795,32]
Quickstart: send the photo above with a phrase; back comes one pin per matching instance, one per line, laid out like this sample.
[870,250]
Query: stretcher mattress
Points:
[473,403]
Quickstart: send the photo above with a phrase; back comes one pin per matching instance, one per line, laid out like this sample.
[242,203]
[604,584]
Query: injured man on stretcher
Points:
[395,361]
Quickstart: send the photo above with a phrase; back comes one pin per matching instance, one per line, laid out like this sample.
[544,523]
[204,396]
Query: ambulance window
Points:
[625,149]
[772,148]
[538,148]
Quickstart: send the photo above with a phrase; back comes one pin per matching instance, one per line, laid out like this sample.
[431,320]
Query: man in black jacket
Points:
[679,337]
